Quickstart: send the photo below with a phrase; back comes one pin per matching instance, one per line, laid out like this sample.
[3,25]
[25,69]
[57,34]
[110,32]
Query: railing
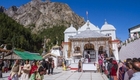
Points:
[129,40]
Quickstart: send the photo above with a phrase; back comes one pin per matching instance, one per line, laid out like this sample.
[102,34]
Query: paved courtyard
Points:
[68,75]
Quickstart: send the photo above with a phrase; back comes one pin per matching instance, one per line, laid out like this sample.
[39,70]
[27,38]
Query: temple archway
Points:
[89,46]
[100,50]
[89,50]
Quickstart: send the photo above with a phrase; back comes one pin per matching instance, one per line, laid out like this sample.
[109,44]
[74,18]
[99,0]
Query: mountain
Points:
[17,36]
[38,15]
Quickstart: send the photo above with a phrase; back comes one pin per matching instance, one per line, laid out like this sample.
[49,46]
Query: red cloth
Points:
[114,62]
[33,69]
[100,61]
[113,71]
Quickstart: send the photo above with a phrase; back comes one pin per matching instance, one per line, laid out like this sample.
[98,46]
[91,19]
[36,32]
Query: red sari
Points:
[33,69]
[113,72]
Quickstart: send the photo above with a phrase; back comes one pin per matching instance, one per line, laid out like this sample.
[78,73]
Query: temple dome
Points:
[90,25]
[70,29]
[107,26]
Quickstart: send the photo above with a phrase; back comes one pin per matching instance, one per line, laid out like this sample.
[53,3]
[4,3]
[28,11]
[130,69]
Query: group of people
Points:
[30,70]
[117,70]
[127,70]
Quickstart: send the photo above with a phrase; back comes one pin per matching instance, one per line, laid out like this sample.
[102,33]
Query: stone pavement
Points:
[69,75]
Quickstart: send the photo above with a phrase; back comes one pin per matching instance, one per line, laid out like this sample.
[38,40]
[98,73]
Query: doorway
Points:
[89,50]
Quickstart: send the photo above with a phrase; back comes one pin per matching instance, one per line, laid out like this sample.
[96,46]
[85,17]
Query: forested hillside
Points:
[15,35]
[55,34]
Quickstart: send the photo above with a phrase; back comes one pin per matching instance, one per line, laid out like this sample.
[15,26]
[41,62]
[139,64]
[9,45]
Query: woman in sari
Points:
[113,71]
[121,71]
[34,68]
[26,71]
[40,74]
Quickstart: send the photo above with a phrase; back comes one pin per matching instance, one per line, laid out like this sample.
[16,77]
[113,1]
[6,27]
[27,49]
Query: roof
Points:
[12,56]
[49,54]
[89,34]
[137,26]
[70,29]
[3,50]
[27,55]
[130,50]
[90,25]
[56,46]
[107,26]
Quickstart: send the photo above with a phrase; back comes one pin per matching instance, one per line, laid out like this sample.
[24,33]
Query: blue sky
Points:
[123,14]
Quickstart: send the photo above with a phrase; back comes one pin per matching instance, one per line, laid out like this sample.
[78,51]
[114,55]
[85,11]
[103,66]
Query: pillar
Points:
[56,62]
[96,55]
[107,51]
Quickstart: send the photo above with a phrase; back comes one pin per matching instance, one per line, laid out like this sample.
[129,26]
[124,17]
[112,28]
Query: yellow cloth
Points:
[64,67]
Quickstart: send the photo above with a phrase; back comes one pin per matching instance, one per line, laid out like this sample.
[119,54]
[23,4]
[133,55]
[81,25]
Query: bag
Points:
[106,72]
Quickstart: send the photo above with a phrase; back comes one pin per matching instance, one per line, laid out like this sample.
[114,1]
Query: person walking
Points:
[113,71]
[52,66]
[129,71]
[26,71]
[45,65]
[79,66]
[34,68]
[38,74]
[121,71]
[101,65]
[15,71]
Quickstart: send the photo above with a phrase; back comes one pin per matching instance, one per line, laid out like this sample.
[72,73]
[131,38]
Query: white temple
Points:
[56,55]
[90,38]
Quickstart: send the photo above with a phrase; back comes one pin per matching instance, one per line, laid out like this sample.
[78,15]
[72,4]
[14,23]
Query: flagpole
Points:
[87,14]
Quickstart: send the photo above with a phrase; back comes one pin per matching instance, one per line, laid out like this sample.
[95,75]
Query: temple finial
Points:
[105,21]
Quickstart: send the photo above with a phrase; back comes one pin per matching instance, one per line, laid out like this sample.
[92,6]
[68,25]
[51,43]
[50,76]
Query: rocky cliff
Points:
[39,15]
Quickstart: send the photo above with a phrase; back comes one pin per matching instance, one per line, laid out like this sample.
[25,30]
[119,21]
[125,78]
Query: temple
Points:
[90,40]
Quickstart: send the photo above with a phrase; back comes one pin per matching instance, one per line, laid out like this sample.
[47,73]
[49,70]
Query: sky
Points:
[122,14]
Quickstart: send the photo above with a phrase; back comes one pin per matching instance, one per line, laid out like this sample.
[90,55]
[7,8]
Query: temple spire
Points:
[106,22]
[88,25]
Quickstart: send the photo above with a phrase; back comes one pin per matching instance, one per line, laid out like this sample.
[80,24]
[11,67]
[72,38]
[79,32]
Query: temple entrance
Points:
[102,52]
[89,52]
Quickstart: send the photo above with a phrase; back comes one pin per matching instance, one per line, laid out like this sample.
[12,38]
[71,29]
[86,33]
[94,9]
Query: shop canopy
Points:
[28,55]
